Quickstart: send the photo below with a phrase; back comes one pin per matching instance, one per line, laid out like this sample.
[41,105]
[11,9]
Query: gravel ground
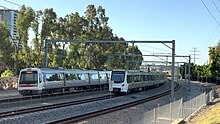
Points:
[54,114]
[10,93]
[50,100]
[143,113]
[140,114]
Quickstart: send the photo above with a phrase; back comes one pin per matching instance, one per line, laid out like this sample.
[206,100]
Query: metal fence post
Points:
[196,106]
[155,118]
[204,98]
[181,107]
[158,109]
[170,112]
[191,106]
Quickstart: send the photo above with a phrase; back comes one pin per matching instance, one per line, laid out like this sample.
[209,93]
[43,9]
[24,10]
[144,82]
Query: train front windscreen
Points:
[28,77]
[118,76]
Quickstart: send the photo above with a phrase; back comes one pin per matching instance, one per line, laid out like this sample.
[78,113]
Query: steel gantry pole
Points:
[172,71]
[46,52]
[189,74]
[185,67]
[95,41]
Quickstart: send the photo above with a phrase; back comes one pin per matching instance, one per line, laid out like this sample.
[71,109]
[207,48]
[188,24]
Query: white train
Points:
[39,80]
[123,81]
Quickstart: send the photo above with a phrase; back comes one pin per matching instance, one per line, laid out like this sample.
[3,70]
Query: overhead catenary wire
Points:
[155,48]
[216,32]
[216,6]
[210,12]
[13,3]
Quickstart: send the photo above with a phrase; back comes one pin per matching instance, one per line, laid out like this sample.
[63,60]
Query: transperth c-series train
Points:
[40,80]
[125,81]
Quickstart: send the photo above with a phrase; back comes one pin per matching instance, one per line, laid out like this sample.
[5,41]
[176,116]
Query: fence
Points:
[179,109]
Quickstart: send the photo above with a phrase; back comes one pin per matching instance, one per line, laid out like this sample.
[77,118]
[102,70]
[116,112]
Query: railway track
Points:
[53,106]
[32,97]
[108,110]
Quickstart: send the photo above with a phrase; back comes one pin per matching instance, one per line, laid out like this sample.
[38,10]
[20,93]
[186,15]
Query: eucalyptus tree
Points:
[98,29]
[37,46]
[75,29]
[215,64]
[49,20]
[6,48]
[26,16]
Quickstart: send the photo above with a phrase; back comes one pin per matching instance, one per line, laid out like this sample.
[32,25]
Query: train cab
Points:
[118,81]
[29,81]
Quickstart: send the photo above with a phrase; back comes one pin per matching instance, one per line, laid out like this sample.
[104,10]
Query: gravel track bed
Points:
[143,113]
[48,101]
[56,114]
[10,93]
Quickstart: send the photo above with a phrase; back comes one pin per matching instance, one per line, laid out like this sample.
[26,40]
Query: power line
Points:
[145,50]
[13,3]
[156,48]
[216,32]
[4,7]
[216,6]
[210,13]
[214,35]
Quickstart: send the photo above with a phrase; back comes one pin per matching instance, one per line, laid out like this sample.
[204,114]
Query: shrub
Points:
[7,73]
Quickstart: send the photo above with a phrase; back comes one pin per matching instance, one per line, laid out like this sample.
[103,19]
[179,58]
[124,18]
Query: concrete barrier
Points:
[8,83]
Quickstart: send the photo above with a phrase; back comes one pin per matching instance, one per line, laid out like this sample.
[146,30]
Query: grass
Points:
[211,116]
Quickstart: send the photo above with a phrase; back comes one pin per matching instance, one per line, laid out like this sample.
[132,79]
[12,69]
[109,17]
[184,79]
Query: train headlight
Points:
[123,85]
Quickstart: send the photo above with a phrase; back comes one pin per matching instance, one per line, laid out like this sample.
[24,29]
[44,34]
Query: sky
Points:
[188,22]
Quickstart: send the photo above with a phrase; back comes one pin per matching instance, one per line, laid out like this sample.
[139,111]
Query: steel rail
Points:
[53,106]
[32,97]
[112,109]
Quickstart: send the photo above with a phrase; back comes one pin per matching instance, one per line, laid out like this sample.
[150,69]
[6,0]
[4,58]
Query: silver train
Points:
[125,81]
[40,80]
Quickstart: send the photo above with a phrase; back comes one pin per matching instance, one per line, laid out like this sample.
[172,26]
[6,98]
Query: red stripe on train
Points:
[28,85]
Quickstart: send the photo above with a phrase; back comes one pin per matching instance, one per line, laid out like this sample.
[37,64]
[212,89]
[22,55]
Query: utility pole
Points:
[194,54]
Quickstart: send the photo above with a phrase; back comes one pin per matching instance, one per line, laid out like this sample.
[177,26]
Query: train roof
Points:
[62,70]
[138,71]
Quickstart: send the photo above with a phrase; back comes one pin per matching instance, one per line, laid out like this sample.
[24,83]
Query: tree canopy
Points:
[45,24]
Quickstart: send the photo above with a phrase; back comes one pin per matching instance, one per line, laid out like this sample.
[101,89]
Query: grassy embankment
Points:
[211,116]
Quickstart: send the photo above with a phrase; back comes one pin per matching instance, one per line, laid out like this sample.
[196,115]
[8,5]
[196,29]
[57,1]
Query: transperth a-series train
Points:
[125,81]
[40,80]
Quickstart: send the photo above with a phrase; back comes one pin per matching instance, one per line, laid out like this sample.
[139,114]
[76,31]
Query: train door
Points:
[40,81]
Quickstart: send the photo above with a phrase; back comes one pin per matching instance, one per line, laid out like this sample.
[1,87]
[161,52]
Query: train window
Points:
[103,76]
[53,77]
[152,78]
[137,78]
[118,76]
[28,77]
[129,79]
[71,77]
[82,76]
[146,77]
[94,76]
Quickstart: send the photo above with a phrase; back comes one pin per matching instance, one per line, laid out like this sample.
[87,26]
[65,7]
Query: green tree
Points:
[74,29]
[6,48]
[26,16]
[93,25]
[215,64]
[7,73]
[48,31]
[36,51]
